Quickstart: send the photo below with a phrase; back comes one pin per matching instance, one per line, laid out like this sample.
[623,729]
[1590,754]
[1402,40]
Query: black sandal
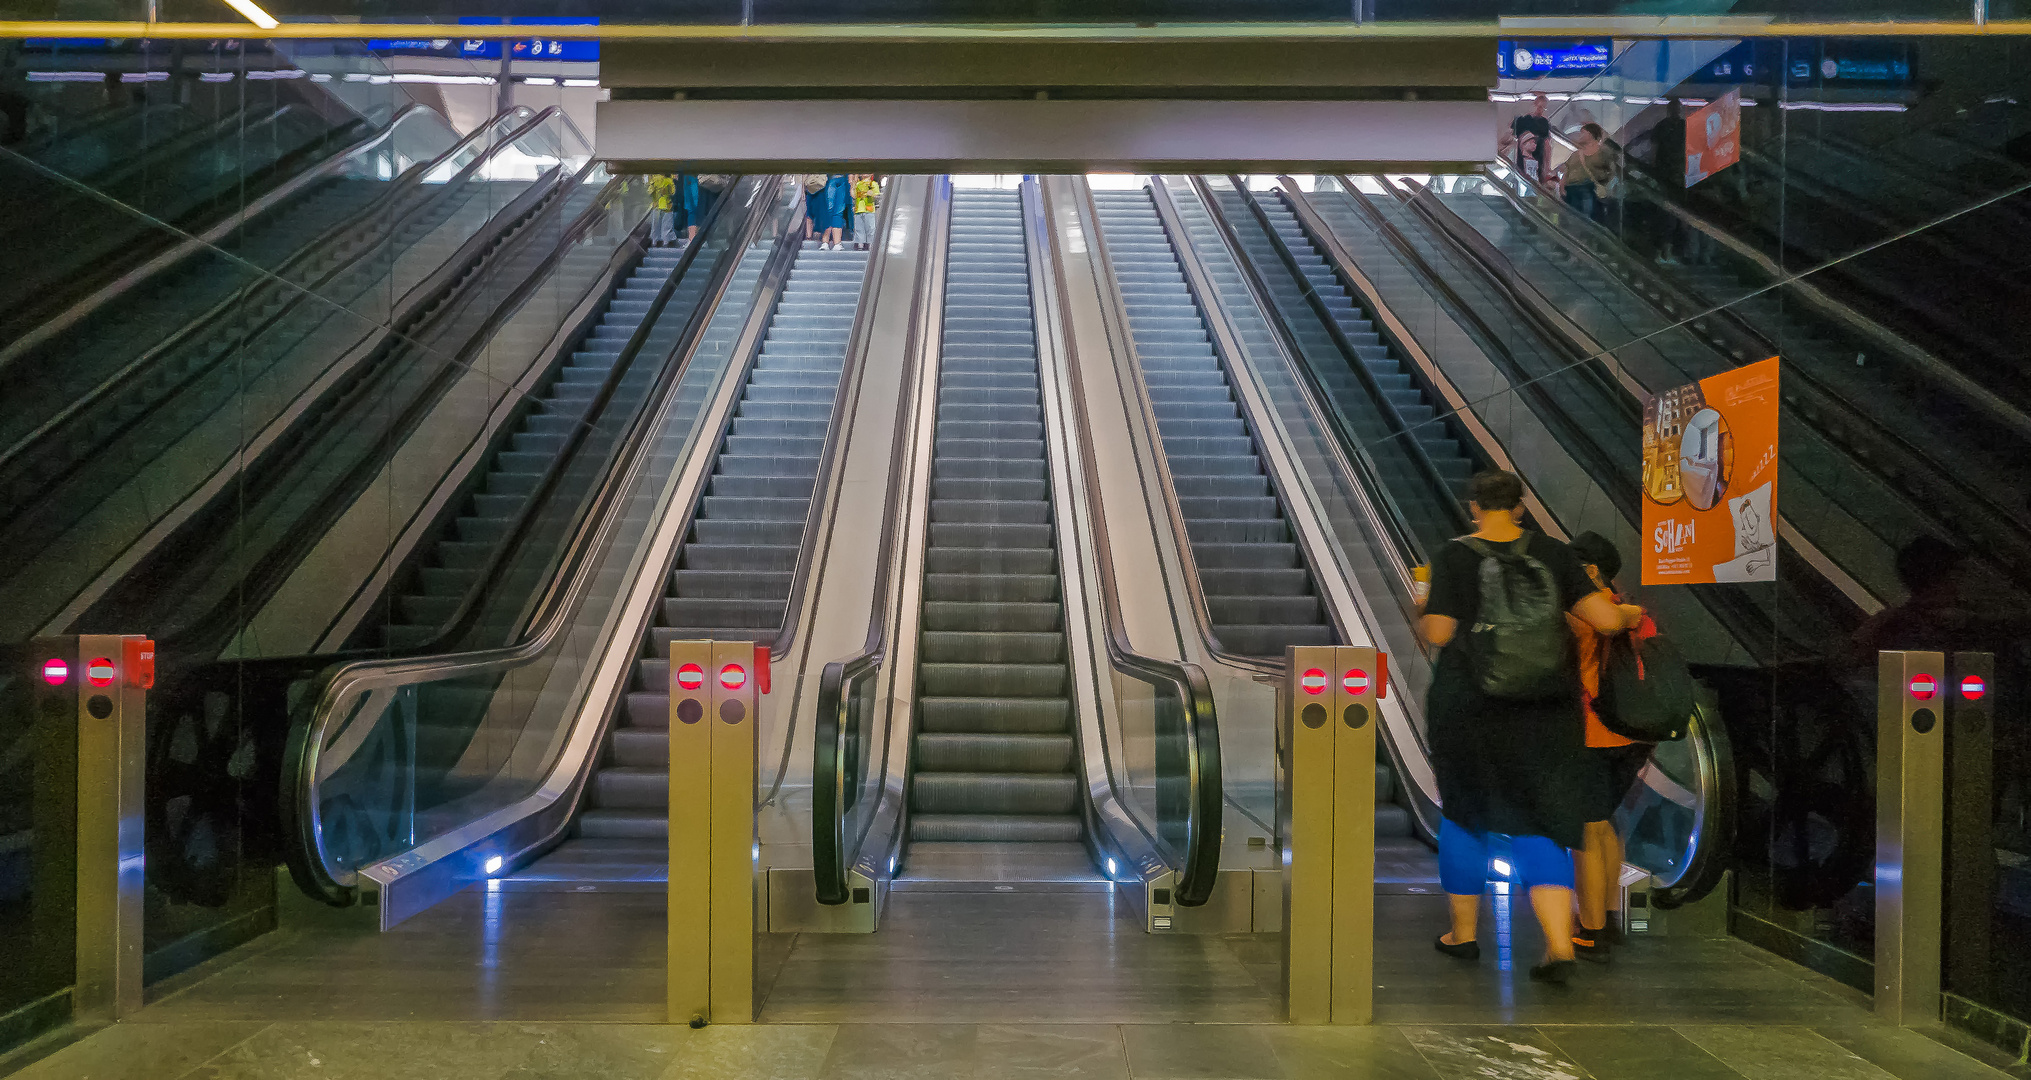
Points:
[1466,950]
[1555,972]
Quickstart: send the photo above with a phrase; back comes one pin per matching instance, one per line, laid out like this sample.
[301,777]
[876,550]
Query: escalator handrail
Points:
[1570,433]
[1200,860]
[577,575]
[195,243]
[830,847]
[1324,403]
[296,293]
[1432,379]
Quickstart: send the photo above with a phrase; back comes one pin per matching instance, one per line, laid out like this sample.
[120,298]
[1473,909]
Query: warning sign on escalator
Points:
[1710,479]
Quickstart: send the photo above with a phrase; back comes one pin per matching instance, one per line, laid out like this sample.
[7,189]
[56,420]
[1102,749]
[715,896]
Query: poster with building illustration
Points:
[1710,479]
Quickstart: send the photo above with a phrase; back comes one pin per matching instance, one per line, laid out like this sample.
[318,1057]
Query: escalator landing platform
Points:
[497,984]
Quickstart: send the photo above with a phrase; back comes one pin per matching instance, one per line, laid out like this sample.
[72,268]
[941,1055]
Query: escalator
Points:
[739,557]
[1257,576]
[1257,586]
[994,754]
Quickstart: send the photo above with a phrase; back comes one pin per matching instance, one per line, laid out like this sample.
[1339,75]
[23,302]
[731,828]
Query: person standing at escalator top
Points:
[1532,132]
[663,192]
[866,192]
[1503,715]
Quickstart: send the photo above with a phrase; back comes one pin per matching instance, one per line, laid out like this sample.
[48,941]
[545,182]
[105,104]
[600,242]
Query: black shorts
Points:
[1614,771]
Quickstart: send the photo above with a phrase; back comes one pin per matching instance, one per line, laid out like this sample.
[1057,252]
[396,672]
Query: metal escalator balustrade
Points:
[1258,590]
[993,750]
[734,571]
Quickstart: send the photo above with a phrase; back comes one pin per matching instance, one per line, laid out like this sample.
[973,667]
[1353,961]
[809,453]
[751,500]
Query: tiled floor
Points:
[516,1050]
[982,985]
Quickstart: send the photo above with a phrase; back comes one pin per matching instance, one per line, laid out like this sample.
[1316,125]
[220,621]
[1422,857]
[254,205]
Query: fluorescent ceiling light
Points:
[254,14]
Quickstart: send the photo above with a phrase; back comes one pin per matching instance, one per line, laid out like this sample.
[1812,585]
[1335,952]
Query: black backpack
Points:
[1646,689]
[1519,646]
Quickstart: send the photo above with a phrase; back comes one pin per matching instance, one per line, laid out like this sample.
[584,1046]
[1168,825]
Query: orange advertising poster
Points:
[1713,137]
[1710,479]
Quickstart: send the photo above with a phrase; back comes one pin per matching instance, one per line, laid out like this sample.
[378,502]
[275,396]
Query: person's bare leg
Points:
[1466,919]
[1590,875]
[1554,907]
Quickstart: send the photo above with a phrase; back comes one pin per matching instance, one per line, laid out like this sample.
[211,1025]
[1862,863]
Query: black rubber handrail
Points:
[1323,401]
[297,293]
[604,514]
[839,680]
[1199,862]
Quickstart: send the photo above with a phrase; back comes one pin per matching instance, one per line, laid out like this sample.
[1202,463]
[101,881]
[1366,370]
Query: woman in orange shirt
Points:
[1597,867]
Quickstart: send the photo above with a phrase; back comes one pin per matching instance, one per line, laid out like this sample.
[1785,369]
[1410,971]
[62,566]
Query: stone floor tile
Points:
[607,1051]
[751,1052]
[1054,1051]
[1200,1052]
[134,1051]
[902,1052]
[1348,1053]
[1908,1055]
[1781,1053]
[1644,1052]
[1473,1052]
[376,1051]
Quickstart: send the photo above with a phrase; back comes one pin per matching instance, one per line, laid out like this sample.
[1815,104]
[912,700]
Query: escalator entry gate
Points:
[86,700]
[714,691]
[1932,715]
[1327,798]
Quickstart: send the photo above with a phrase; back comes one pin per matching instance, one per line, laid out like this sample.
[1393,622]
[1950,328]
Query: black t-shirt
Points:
[1513,767]
[1667,154]
[1456,576]
[1533,124]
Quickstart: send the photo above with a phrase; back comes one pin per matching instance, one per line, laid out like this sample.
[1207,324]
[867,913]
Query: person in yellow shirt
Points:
[663,223]
[867,193]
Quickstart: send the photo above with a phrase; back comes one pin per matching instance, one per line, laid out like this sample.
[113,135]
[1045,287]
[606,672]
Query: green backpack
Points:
[1518,649]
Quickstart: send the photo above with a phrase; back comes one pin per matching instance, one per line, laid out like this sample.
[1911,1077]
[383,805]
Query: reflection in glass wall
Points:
[1856,207]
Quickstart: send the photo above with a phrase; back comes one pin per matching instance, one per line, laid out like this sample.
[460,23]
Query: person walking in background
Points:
[663,223]
[1597,865]
[1591,175]
[1534,125]
[1504,717]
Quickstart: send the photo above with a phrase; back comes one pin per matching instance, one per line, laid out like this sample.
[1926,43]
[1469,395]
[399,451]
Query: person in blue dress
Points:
[826,207]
